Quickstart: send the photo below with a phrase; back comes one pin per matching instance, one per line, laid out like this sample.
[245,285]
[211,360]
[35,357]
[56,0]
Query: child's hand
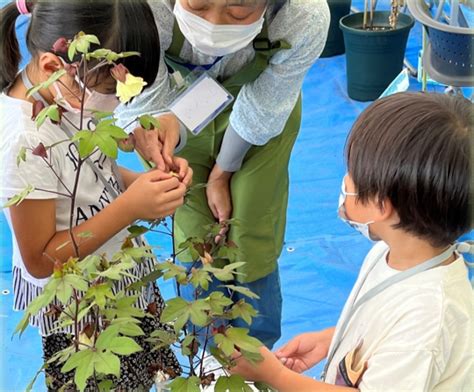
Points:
[154,195]
[263,371]
[305,350]
[185,173]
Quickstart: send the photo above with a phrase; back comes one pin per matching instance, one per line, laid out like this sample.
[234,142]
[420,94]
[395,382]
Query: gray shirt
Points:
[262,107]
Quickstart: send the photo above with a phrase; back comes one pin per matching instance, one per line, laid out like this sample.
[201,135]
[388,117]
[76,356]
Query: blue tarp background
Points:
[321,257]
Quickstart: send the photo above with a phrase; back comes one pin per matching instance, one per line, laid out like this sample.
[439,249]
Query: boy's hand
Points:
[264,371]
[158,145]
[305,350]
[218,196]
[154,195]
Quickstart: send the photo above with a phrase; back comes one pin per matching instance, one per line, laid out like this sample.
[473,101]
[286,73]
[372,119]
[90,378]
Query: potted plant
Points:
[82,294]
[335,41]
[375,43]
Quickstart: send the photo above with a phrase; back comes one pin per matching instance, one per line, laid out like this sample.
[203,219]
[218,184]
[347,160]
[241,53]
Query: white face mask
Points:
[94,101]
[215,40]
[362,228]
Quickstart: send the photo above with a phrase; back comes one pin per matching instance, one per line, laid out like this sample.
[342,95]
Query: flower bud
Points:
[38,106]
[61,45]
[40,151]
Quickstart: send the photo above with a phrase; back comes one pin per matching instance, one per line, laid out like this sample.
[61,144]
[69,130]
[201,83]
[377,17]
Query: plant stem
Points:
[70,122]
[54,192]
[68,89]
[178,286]
[206,340]
[76,323]
[57,176]
[73,205]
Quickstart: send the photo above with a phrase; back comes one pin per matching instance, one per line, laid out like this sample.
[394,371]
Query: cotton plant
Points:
[201,326]
[80,293]
[369,10]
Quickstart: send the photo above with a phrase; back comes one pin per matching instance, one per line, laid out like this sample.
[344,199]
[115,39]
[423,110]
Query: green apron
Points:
[259,190]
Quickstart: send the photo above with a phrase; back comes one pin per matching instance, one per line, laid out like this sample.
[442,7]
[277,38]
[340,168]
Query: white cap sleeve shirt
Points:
[416,335]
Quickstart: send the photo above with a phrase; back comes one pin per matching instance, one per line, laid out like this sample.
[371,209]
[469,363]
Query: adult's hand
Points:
[158,145]
[219,198]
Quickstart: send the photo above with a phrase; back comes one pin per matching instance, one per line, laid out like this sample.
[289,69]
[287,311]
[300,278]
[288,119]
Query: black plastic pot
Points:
[335,41]
[373,57]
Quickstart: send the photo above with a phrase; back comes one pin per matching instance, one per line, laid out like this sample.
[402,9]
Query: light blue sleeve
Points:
[263,107]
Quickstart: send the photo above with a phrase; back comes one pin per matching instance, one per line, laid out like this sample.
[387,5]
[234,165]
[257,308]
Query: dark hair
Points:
[414,149]
[120,25]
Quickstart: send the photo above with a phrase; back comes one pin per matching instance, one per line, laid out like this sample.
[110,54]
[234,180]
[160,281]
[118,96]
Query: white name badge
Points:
[201,103]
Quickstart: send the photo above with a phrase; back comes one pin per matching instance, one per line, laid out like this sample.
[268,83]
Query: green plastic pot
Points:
[335,41]
[373,58]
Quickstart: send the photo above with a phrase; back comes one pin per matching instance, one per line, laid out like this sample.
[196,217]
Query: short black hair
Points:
[414,149]
[120,25]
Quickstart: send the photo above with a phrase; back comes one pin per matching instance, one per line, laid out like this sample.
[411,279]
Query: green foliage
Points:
[234,383]
[46,84]
[181,384]
[51,112]
[148,122]
[17,199]
[103,137]
[81,44]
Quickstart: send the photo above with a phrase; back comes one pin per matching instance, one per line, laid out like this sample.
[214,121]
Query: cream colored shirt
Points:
[416,335]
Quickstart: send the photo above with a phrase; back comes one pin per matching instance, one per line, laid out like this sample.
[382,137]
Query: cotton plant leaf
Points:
[18,198]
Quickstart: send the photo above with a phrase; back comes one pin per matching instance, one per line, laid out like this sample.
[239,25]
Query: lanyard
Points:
[431,263]
[26,81]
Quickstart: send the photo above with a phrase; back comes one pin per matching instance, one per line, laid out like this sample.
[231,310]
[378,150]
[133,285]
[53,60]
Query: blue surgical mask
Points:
[362,228]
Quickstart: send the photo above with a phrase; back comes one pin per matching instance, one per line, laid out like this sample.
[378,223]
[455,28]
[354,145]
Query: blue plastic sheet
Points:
[321,257]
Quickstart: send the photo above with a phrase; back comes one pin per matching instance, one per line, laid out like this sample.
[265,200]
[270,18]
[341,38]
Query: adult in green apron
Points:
[256,192]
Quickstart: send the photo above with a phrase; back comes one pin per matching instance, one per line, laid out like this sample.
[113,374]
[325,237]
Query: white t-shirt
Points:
[416,335]
[17,130]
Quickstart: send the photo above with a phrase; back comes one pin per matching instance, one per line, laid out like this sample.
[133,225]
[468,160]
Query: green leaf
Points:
[225,344]
[136,230]
[22,325]
[89,264]
[148,122]
[124,346]
[174,308]
[234,383]
[87,142]
[99,115]
[225,273]
[106,337]
[106,386]
[198,312]
[186,344]
[128,54]
[99,293]
[66,284]
[53,78]
[29,387]
[51,112]
[83,42]
[241,339]
[180,384]
[107,363]
[162,338]
[21,156]
[200,278]
[151,277]
[71,52]
[244,311]
[128,326]
[217,301]
[17,199]
[242,290]
[83,362]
